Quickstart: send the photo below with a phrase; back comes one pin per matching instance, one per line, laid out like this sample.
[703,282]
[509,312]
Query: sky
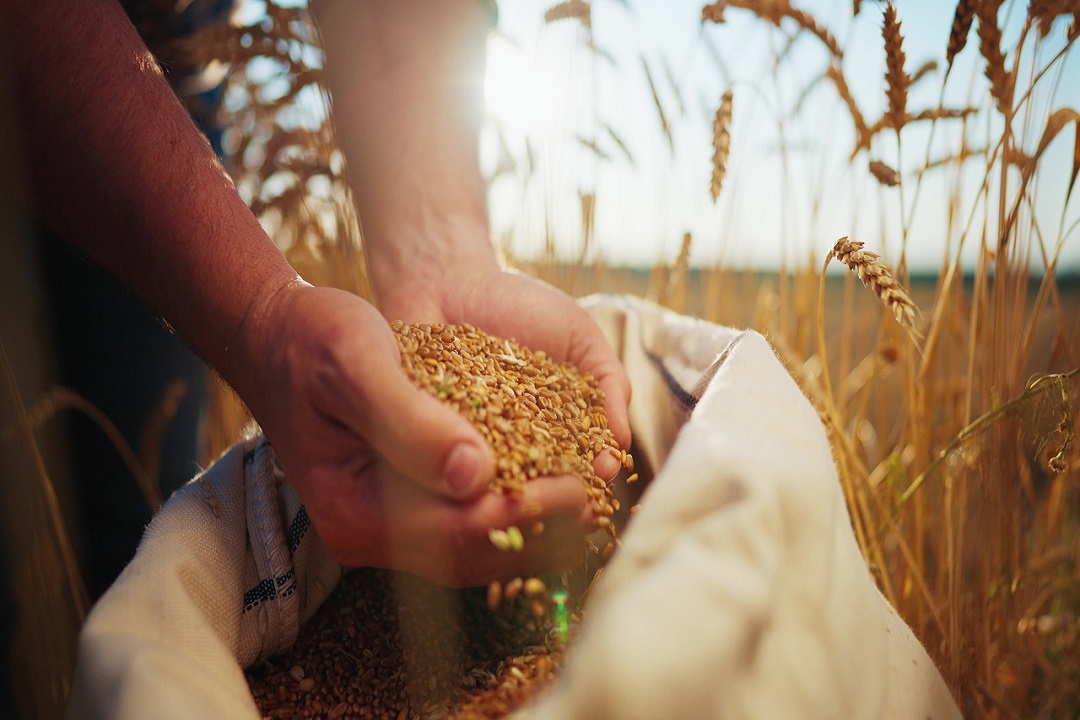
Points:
[790,189]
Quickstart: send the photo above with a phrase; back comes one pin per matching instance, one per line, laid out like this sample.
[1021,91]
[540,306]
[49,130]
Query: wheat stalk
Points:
[878,277]
[620,143]
[896,80]
[938,113]
[863,135]
[721,144]
[664,125]
[774,11]
[925,69]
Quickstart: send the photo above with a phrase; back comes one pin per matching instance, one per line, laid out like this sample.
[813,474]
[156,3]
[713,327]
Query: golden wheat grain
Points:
[961,26]
[721,144]
[896,79]
[1001,82]
[885,175]
[878,277]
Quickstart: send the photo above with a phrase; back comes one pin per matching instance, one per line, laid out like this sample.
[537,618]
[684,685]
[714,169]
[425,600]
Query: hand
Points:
[512,305]
[390,476]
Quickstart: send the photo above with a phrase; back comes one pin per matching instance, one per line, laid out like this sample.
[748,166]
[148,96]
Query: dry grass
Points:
[956,453]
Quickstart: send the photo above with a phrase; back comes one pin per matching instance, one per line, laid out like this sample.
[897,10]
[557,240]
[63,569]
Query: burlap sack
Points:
[739,591]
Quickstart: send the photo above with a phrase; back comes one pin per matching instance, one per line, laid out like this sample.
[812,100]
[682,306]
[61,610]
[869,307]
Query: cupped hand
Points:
[390,476]
[509,304]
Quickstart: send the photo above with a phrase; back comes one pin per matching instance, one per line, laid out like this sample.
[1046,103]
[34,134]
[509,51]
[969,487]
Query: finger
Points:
[606,465]
[424,439]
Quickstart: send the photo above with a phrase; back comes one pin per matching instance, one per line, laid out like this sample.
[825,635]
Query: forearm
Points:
[407,80]
[116,166]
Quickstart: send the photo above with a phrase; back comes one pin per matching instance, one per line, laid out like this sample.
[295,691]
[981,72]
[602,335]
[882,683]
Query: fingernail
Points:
[462,471]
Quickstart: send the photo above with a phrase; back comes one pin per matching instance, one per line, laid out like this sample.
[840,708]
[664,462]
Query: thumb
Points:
[424,439]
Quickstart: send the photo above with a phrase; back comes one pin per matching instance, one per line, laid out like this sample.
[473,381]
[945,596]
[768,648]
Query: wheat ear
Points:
[896,80]
[1001,86]
[877,276]
[961,26]
[721,144]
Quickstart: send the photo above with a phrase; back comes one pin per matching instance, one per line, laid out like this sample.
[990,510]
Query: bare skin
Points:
[390,476]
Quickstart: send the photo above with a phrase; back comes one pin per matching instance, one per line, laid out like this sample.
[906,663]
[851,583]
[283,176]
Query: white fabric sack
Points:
[739,590]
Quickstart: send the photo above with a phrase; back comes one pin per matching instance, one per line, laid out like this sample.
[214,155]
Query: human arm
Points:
[116,166]
[406,80]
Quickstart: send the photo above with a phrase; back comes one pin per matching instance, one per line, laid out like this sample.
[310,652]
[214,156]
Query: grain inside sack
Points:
[390,645]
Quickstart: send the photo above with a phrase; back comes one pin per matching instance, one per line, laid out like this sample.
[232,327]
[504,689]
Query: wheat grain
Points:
[721,144]
[878,277]
[896,79]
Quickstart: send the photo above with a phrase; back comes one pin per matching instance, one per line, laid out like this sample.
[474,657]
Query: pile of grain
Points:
[390,645]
